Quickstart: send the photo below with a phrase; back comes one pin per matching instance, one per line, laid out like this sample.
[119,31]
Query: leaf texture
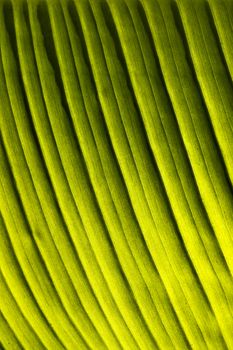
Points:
[116,201]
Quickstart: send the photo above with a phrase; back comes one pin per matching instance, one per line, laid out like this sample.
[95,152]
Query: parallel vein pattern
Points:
[116,202]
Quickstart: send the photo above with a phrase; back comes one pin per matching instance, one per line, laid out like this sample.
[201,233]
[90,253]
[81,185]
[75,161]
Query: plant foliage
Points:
[116,173]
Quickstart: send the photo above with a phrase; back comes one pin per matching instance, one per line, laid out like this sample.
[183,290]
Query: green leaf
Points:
[116,206]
